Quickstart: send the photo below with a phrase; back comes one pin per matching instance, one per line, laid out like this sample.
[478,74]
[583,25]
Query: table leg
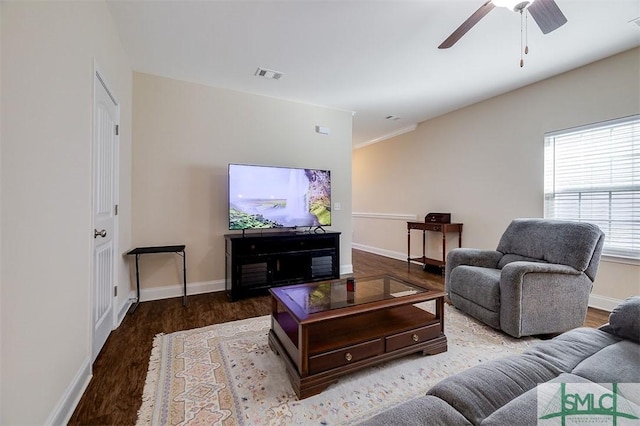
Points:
[135,305]
[408,248]
[184,278]
[440,312]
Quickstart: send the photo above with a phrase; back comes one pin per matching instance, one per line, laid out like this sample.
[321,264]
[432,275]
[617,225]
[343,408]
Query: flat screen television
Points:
[262,197]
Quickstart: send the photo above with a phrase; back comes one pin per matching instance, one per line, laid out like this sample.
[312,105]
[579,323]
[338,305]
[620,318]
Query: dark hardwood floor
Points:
[115,391]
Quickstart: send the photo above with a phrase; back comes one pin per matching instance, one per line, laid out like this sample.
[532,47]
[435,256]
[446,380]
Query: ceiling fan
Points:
[546,13]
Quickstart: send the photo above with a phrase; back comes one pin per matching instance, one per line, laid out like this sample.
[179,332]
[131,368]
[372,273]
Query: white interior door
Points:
[105,139]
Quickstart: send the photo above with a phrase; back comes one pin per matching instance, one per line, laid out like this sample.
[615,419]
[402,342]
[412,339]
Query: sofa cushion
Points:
[482,314]
[624,320]
[420,411]
[508,258]
[569,349]
[617,363]
[524,409]
[479,391]
[555,241]
[482,285]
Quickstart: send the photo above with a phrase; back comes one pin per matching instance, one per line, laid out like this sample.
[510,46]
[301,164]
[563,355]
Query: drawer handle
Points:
[348,356]
[415,338]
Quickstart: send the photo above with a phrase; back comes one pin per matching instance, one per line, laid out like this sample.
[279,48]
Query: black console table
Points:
[179,249]
[257,262]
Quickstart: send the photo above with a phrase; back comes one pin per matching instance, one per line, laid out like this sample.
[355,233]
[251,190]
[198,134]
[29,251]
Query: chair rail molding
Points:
[385,216]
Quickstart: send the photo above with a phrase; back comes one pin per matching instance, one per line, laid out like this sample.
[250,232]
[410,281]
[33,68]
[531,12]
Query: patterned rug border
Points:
[153,411]
[153,373]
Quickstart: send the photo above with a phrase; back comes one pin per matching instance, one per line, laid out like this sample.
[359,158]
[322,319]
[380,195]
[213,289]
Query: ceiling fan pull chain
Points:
[521,42]
[526,31]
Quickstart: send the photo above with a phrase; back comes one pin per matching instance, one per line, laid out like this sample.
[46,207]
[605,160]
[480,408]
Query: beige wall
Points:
[184,136]
[1,303]
[48,51]
[484,164]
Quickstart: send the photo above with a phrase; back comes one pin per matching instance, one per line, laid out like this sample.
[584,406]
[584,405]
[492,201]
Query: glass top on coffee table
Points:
[328,295]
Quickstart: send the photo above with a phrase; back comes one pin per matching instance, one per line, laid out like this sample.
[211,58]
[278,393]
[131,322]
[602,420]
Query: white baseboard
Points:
[122,312]
[383,252]
[595,301]
[346,269]
[603,302]
[167,292]
[157,293]
[69,401]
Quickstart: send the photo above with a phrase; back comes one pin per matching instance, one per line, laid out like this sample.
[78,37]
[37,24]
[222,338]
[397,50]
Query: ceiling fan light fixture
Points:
[546,13]
[515,5]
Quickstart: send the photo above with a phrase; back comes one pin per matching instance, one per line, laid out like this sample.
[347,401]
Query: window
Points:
[592,174]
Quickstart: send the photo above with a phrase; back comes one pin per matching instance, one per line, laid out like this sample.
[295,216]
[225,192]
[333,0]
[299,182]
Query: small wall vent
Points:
[270,74]
[392,117]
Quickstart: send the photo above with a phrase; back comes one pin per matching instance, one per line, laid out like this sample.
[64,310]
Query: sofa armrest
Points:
[518,269]
[542,298]
[624,320]
[471,257]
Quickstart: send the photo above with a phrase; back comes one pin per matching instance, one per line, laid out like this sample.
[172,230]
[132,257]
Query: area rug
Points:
[226,374]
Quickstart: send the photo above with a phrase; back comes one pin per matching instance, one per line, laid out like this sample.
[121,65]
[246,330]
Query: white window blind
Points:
[592,174]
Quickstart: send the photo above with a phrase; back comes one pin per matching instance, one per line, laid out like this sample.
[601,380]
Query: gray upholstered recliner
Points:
[537,281]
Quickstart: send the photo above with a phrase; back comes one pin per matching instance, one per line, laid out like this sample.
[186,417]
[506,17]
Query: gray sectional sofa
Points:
[505,391]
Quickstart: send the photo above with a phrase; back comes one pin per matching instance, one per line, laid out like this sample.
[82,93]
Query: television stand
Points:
[256,262]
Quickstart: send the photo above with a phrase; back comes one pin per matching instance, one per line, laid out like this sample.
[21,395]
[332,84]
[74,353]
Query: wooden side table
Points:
[443,229]
[178,249]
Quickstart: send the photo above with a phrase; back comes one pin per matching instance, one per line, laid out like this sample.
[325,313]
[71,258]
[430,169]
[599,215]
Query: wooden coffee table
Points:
[325,330]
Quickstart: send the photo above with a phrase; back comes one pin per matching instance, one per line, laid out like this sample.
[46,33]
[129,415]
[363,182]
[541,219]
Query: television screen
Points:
[278,197]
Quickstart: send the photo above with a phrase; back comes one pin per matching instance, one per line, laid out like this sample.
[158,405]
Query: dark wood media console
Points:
[257,262]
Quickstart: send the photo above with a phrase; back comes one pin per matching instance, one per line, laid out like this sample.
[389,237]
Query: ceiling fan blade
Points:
[547,14]
[467,25]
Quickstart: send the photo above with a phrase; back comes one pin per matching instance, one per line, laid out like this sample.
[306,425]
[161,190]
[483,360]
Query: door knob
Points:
[102,233]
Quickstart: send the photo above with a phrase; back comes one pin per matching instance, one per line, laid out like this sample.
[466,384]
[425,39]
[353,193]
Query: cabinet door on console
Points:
[254,275]
[291,268]
[323,266]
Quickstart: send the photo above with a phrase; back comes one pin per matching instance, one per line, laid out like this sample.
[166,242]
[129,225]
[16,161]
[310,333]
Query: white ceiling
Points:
[375,58]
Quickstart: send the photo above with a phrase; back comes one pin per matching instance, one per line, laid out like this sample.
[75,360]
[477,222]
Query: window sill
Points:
[619,259]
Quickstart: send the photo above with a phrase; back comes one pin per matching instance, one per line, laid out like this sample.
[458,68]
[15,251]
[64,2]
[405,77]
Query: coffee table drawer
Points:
[412,337]
[344,356]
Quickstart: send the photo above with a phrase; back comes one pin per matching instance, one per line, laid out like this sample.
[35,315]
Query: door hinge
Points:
[115,210]
[117,129]
[115,291]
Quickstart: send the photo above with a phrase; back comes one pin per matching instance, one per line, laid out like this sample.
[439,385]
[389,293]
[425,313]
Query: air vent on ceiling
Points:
[635,21]
[392,117]
[270,74]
